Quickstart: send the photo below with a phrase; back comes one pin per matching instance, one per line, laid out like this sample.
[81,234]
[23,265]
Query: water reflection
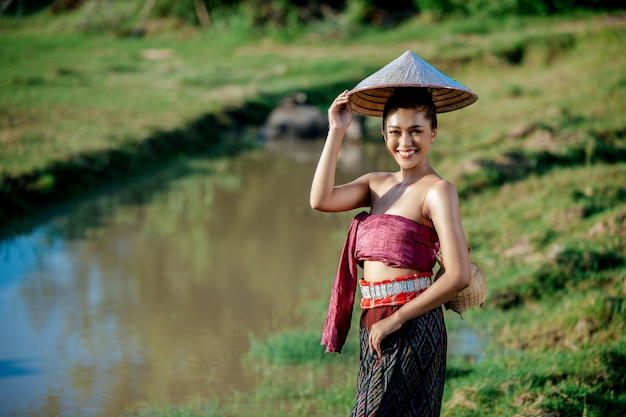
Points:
[150,294]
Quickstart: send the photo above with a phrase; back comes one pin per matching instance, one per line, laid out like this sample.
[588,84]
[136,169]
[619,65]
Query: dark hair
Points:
[412,98]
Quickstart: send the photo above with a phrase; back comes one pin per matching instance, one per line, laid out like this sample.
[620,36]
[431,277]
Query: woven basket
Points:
[474,295]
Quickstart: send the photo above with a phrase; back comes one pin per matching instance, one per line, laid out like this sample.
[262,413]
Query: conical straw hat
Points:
[409,71]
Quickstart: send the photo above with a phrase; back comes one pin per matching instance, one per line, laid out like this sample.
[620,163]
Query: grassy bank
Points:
[538,161]
[107,107]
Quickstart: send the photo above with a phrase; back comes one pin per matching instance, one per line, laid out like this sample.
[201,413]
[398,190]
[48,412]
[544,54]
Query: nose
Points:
[406,140]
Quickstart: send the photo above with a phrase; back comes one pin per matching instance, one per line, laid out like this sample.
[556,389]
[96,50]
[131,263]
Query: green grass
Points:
[126,88]
[538,161]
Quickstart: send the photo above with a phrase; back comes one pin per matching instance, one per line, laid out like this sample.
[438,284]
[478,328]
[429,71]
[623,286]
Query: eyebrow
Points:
[398,127]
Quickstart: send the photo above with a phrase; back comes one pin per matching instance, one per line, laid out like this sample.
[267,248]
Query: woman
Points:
[412,212]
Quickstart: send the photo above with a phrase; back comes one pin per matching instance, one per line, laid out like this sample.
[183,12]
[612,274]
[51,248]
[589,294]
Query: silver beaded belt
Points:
[378,290]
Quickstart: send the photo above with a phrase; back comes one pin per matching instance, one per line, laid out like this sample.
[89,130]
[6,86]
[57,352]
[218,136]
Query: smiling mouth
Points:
[406,153]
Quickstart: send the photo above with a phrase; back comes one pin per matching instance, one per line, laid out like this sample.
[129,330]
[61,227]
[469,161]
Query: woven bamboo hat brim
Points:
[409,71]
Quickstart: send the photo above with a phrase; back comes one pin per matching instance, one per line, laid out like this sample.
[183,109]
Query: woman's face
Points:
[408,135]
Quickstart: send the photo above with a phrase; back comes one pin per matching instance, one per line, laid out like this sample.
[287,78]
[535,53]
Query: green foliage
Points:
[446,8]
[564,382]
[516,165]
[291,15]
[440,9]
[288,348]
[600,199]
[259,14]
[356,11]
[575,391]
[181,9]
[19,7]
[574,268]
[569,268]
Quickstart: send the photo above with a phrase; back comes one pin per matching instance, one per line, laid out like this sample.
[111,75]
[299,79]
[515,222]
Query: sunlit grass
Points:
[128,87]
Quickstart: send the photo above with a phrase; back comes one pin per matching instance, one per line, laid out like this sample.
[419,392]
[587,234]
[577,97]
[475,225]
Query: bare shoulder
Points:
[379,178]
[442,187]
[441,197]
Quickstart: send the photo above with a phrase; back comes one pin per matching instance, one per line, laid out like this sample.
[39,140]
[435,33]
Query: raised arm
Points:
[325,196]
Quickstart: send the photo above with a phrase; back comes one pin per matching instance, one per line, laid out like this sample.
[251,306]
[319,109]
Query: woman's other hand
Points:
[380,330]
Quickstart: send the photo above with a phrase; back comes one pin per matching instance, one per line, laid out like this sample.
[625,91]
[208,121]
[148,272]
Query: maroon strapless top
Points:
[394,240]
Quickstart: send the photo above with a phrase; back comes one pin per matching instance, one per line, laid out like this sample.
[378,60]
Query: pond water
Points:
[150,294]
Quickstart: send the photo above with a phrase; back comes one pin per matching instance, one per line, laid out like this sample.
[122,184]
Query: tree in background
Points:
[263,14]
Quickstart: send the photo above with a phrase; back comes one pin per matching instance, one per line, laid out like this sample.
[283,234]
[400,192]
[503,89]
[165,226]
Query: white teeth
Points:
[407,153]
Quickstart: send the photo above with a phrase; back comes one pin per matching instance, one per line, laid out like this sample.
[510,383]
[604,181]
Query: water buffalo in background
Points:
[294,118]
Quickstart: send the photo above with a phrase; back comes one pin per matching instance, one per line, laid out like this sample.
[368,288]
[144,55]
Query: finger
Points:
[374,345]
[377,348]
[343,95]
[342,100]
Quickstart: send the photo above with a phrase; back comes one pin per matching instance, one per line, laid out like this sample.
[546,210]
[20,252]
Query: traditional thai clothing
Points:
[407,380]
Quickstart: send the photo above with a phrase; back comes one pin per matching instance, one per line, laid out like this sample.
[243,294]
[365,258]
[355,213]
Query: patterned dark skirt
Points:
[408,379]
